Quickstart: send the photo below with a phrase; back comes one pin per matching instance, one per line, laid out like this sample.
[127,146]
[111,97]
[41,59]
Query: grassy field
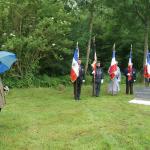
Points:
[49,119]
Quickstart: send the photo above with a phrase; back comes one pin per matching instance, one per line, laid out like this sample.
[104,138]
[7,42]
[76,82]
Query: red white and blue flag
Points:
[75,67]
[147,66]
[113,68]
[94,63]
[130,66]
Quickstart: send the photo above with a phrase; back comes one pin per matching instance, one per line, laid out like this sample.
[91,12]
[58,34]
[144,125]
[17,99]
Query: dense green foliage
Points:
[45,119]
[43,34]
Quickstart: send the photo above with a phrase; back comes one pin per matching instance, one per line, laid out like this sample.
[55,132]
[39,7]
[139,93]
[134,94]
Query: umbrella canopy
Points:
[6,60]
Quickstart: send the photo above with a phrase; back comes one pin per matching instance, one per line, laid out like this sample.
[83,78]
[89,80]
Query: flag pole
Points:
[131,52]
[113,79]
[131,58]
[77,46]
[94,46]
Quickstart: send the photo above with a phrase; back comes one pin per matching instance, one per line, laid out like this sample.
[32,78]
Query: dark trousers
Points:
[147,82]
[96,88]
[129,87]
[0,109]
[77,90]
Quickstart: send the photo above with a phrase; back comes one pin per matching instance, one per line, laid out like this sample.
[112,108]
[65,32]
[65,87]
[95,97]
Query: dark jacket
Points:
[133,75]
[98,74]
[81,75]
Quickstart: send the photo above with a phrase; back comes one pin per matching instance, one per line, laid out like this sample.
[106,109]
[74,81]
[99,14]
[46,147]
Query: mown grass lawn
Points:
[49,119]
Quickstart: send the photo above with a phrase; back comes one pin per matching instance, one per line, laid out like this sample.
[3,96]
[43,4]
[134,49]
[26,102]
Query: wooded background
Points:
[43,34]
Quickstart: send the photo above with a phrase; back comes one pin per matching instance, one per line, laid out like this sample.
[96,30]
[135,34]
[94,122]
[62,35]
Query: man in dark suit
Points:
[97,79]
[78,82]
[130,79]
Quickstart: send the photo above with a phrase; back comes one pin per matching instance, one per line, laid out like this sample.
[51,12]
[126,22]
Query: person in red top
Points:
[146,76]
[130,74]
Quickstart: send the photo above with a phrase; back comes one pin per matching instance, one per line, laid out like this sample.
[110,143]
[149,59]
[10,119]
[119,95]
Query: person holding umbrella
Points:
[6,61]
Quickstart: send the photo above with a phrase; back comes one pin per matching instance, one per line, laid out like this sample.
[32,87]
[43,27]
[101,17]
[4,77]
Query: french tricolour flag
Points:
[94,63]
[147,66]
[113,67]
[130,66]
[75,67]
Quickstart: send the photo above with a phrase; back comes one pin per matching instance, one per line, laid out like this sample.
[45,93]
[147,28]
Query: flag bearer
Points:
[130,78]
[130,74]
[97,79]
[147,70]
[77,74]
[79,81]
[115,75]
[114,86]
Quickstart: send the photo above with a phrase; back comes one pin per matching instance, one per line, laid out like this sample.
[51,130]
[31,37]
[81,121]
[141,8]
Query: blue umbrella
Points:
[6,60]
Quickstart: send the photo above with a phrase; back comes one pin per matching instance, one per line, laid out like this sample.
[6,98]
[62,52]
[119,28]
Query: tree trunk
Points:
[89,41]
[146,41]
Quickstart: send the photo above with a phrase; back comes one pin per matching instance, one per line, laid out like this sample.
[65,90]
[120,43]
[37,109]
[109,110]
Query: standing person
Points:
[147,70]
[130,74]
[114,87]
[2,98]
[146,76]
[79,81]
[115,75]
[147,82]
[130,78]
[97,79]
[77,74]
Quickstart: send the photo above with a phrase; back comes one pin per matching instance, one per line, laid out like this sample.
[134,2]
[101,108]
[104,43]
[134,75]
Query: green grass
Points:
[49,119]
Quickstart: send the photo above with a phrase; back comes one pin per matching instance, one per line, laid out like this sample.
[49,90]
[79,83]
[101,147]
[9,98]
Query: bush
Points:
[26,81]
[29,80]
[41,81]
[46,81]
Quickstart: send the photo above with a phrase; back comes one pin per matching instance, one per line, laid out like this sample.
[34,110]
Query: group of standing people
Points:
[98,79]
